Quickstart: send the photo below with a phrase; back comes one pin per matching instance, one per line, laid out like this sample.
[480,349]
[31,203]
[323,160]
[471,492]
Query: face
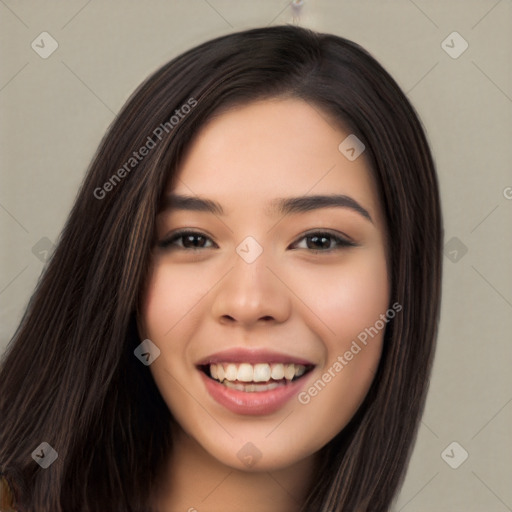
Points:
[269,286]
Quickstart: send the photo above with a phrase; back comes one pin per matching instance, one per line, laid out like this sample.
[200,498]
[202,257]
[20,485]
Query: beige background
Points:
[55,111]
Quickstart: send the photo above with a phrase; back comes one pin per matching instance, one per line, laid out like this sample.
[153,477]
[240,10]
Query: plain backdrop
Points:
[55,110]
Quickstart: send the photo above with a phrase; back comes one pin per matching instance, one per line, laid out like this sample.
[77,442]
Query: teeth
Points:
[299,370]
[261,372]
[289,371]
[238,387]
[277,371]
[245,373]
[231,372]
[252,388]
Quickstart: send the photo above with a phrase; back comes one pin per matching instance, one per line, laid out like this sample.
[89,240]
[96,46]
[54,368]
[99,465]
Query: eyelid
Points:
[343,239]
[167,241]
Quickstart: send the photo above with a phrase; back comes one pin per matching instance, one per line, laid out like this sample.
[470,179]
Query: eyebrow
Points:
[279,206]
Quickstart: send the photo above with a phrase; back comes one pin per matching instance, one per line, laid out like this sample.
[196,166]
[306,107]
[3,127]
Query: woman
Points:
[242,308]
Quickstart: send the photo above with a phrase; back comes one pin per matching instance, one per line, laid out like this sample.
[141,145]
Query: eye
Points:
[322,241]
[187,240]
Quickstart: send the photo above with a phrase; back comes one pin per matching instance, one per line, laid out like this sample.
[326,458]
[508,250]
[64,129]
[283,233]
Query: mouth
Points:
[253,382]
[255,378]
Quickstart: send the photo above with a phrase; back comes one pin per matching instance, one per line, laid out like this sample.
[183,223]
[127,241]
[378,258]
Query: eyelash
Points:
[170,242]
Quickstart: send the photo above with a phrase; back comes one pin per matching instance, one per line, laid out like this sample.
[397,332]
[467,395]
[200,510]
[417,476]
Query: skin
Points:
[291,299]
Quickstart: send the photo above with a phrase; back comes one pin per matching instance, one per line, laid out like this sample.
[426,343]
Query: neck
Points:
[194,481]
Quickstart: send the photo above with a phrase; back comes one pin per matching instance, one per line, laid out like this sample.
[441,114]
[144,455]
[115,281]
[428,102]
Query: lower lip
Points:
[255,403]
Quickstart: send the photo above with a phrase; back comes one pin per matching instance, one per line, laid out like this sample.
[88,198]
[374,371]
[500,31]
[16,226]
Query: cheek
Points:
[348,303]
[171,297]
[168,312]
[347,298]
[167,315]
[159,307]
[362,296]
[339,389]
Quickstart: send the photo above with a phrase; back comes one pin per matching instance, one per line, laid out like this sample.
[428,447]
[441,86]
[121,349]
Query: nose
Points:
[250,295]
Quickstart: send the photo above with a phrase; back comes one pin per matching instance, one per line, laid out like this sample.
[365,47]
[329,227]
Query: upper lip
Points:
[252,356]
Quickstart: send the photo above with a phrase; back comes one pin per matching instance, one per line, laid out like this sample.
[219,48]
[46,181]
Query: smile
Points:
[253,382]
[254,378]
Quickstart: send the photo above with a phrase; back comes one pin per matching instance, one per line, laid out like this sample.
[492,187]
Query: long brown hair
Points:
[69,376]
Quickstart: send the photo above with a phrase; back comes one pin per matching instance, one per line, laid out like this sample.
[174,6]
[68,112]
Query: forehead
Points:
[272,148]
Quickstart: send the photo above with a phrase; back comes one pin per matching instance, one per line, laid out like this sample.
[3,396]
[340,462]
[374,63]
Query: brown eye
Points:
[193,241]
[187,240]
[322,242]
[319,242]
